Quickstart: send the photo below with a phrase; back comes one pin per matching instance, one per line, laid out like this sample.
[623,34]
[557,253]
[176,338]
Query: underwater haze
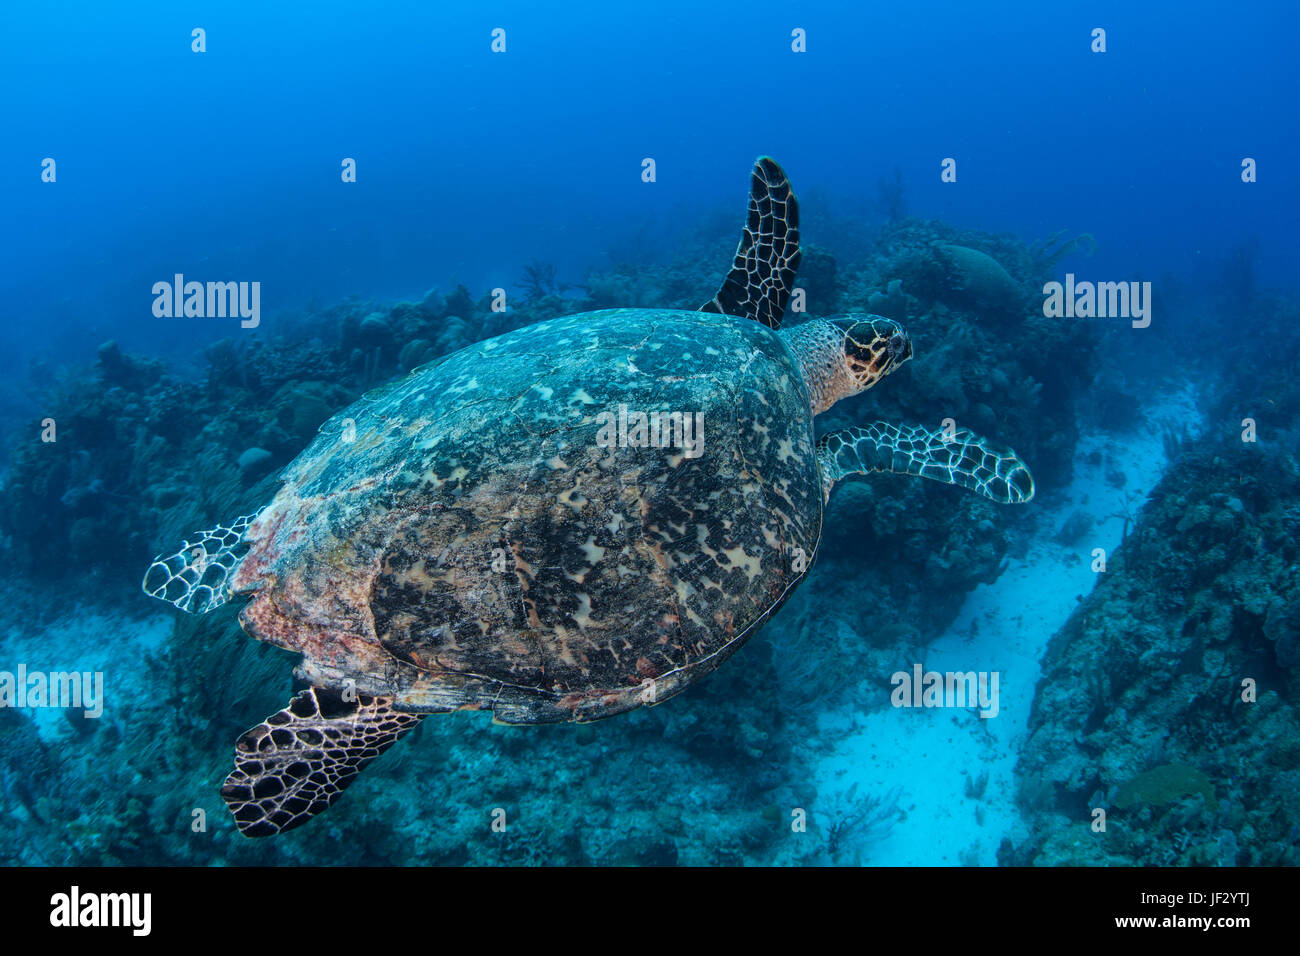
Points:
[1074,224]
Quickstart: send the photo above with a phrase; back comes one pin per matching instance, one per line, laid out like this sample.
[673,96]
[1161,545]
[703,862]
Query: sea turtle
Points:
[562,523]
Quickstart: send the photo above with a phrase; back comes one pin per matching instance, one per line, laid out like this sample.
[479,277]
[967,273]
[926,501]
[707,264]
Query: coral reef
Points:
[1170,695]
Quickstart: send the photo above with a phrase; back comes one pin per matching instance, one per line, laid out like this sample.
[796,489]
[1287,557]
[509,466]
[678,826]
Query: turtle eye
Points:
[897,345]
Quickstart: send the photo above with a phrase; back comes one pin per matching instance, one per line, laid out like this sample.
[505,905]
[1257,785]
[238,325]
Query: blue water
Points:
[472,164]
[227,162]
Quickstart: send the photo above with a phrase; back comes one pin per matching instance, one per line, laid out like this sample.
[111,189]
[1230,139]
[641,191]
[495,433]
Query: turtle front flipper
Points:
[767,258]
[299,760]
[963,458]
[195,578]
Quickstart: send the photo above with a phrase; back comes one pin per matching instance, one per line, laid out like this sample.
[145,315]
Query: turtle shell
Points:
[486,533]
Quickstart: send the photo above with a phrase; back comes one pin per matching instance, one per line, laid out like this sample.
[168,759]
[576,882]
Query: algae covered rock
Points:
[1166,784]
[375,330]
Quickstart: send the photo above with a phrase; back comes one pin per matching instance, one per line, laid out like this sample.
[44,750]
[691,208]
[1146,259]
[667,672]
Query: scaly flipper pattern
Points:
[762,276]
[299,760]
[967,459]
[195,577]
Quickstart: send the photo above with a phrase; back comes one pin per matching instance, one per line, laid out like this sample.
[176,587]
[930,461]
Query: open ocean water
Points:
[232,232]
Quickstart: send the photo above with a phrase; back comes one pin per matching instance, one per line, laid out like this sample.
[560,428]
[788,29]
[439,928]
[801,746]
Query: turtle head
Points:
[842,355]
[873,347]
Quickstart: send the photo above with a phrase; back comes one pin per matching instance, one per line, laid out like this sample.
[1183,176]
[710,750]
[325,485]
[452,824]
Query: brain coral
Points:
[980,278]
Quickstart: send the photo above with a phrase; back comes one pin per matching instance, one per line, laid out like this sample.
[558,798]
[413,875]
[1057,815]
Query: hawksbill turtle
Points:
[561,523]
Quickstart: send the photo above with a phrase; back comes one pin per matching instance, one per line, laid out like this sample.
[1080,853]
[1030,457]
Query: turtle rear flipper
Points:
[299,760]
[195,577]
[964,459]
